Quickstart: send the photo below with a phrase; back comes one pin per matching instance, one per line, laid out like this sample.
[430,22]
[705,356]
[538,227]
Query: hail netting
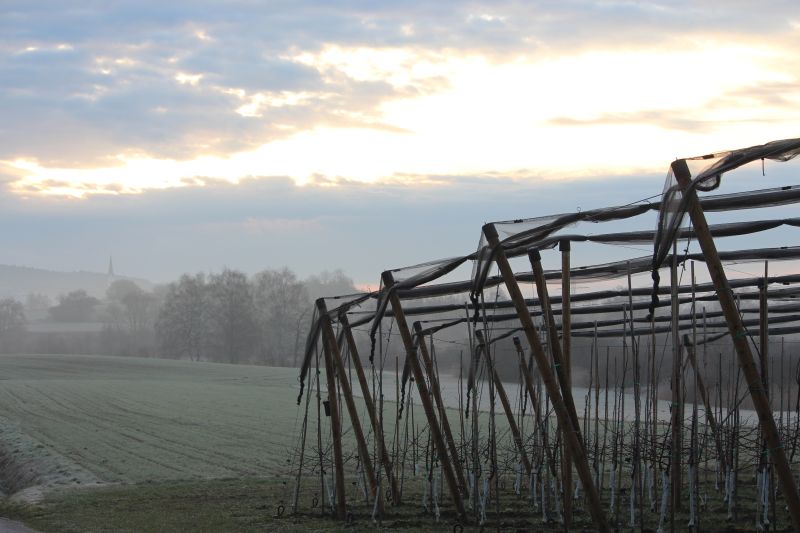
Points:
[602,305]
[410,277]
[517,236]
[603,271]
[362,317]
[342,305]
[707,172]
[408,289]
[542,232]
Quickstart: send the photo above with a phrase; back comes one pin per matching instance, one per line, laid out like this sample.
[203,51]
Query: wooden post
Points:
[427,404]
[555,345]
[336,426]
[501,391]
[739,337]
[763,343]
[566,419]
[373,417]
[637,489]
[566,333]
[530,387]
[333,348]
[437,397]
[763,330]
[701,387]
[676,409]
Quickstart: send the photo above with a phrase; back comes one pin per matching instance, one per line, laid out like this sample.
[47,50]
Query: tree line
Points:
[224,317]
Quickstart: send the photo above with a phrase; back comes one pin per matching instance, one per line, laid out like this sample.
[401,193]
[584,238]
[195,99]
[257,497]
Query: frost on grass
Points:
[128,420]
[28,468]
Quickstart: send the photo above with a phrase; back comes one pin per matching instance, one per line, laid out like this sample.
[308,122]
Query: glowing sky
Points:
[132,98]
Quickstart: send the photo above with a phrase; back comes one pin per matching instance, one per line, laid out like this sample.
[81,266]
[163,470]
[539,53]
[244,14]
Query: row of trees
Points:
[230,317]
[226,317]
[12,323]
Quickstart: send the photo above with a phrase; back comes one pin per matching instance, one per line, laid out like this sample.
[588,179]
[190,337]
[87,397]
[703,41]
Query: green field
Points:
[72,421]
[129,420]
[107,444]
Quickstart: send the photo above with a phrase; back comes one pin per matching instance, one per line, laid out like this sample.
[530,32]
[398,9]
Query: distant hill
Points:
[18,282]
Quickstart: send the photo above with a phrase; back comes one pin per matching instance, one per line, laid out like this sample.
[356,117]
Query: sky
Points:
[190,136]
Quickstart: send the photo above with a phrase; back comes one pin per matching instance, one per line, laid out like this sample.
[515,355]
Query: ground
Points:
[126,423]
[93,443]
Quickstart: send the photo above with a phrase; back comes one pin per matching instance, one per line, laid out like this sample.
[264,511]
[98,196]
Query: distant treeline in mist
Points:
[224,317]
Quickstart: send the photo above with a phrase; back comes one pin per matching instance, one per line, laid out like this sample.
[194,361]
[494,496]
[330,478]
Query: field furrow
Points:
[139,420]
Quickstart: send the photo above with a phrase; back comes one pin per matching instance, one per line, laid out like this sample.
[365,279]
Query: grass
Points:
[127,444]
[128,420]
[245,505]
[212,506]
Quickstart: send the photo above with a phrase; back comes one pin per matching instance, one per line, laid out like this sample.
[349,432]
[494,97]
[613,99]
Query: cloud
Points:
[666,119]
[84,82]
[268,222]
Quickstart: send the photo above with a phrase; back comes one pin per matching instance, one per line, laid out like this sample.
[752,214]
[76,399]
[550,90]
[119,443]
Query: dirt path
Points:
[10,526]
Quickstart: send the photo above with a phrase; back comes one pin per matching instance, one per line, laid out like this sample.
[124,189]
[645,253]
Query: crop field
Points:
[128,420]
[71,421]
[92,443]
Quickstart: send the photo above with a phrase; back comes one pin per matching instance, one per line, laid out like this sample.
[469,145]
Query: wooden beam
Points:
[437,397]
[427,404]
[336,424]
[566,333]
[740,342]
[501,392]
[370,403]
[676,409]
[565,418]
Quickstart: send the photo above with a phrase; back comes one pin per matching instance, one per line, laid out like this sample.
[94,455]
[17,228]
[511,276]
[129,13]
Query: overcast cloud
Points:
[409,124]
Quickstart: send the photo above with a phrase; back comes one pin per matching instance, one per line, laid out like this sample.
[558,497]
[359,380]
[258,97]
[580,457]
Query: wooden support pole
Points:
[336,425]
[701,387]
[501,392]
[566,333]
[554,343]
[427,404]
[437,397]
[763,344]
[565,418]
[676,409]
[763,330]
[739,337]
[637,488]
[370,403]
[363,451]
[530,387]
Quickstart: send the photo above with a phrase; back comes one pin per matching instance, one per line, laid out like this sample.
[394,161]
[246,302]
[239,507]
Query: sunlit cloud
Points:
[399,67]
[191,79]
[382,95]
[259,103]
[553,117]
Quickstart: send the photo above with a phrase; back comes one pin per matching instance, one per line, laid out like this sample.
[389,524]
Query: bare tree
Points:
[328,283]
[231,316]
[136,304]
[180,327]
[280,300]
[12,323]
[77,306]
